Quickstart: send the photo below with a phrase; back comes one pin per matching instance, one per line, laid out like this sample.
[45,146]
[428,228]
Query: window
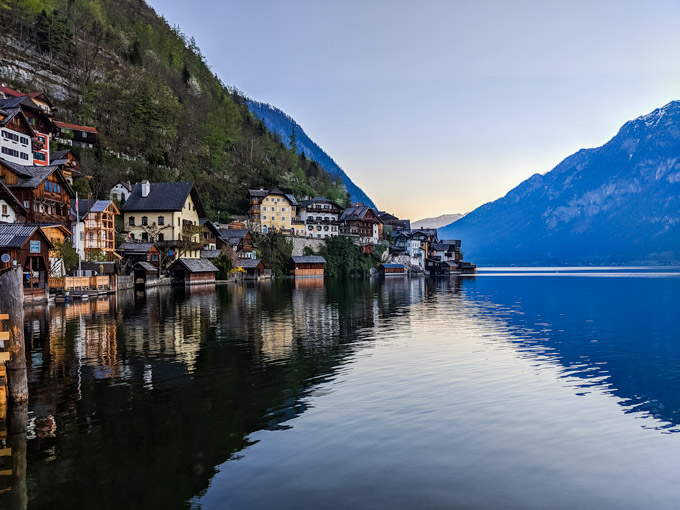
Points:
[23,140]
[27,204]
[283,218]
[154,257]
[161,220]
[40,156]
[24,155]
[145,220]
[4,208]
[178,222]
[161,237]
[57,188]
[131,221]
[264,229]
[82,235]
[47,185]
[132,236]
[264,208]
[145,236]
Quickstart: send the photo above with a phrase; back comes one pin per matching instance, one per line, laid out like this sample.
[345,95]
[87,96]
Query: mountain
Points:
[161,113]
[282,124]
[438,222]
[618,203]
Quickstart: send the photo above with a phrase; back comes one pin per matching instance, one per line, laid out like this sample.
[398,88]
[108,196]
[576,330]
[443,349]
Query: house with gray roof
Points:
[362,221]
[193,271]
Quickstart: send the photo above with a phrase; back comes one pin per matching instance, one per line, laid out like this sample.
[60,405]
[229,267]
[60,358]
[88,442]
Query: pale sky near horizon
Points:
[435,106]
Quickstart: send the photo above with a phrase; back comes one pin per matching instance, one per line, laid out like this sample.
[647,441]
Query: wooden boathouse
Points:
[391,269]
[28,247]
[193,271]
[306,266]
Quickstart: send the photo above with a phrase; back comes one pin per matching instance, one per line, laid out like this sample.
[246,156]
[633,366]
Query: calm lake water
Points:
[549,390]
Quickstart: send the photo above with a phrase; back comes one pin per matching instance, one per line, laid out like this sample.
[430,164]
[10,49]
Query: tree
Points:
[274,249]
[81,185]
[68,254]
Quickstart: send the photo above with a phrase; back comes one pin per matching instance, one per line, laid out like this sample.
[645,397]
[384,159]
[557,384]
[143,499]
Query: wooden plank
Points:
[4,316]
[5,452]
[4,335]
[4,356]
[8,489]
[6,472]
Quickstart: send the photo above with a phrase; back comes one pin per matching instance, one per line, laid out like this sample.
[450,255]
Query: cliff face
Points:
[619,203]
[160,112]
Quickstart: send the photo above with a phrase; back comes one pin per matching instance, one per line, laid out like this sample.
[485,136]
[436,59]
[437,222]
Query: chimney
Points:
[146,187]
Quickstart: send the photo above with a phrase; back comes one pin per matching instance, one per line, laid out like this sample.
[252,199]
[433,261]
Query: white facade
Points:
[15,147]
[321,219]
[7,214]
[119,192]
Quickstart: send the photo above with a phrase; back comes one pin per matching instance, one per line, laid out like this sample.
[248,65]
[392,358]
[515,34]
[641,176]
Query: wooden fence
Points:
[81,282]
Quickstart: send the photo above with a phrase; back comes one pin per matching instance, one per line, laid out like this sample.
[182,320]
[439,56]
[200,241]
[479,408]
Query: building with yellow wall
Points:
[273,210]
[165,213]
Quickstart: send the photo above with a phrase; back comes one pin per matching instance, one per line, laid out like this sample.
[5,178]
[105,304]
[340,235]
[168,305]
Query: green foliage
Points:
[81,185]
[274,249]
[154,100]
[68,254]
[224,264]
[345,259]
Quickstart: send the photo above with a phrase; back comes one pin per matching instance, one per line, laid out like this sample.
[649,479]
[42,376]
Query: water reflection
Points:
[136,399]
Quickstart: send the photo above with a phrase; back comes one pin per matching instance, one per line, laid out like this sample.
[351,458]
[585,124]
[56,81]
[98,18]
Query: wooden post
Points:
[17,426]
[12,304]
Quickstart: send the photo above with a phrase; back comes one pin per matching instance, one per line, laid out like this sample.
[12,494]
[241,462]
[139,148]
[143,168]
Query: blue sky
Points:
[436,106]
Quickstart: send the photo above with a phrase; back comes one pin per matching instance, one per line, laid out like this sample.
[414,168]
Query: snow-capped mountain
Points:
[619,203]
[281,123]
[437,222]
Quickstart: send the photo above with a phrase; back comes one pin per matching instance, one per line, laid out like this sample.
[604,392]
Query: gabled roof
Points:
[87,206]
[146,266]
[75,127]
[249,263]
[356,212]
[32,176]
[59,155]
[258,192]
[135,247]
[319,200]
[9,197]
[232,233]
[196,265]
[308,259]
[291,199]
[42,96]
[442,246]
[9,113]
[163,196]
[18,102]
[126,185]
[15,235]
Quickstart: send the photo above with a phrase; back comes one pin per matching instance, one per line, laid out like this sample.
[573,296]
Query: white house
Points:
[15,137]
[321,217]
[411,247]
[121,191]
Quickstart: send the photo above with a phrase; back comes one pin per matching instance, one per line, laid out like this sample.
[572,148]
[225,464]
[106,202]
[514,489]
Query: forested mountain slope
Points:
[160,111]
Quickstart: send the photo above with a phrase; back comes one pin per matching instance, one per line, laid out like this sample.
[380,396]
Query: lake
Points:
[548,389]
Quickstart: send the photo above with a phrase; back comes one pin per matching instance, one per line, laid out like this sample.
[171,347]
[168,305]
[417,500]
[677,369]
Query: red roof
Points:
[11,92]
[75,127]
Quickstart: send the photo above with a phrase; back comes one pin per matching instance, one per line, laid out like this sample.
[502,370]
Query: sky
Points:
[435,106]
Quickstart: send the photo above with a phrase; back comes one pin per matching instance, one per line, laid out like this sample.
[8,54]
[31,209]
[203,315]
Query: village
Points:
[147,234]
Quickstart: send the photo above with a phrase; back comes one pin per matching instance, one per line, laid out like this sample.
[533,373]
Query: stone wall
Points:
[299,244]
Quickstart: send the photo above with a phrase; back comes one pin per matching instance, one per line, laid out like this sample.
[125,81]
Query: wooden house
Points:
[192,271]
[145,274]
[361,221]
[209,234]
[254,268]
[11,208]
[68,162]
[391,269]
[94,228]
[238,240]
[44,192]
[306,266]
[139,252]
[27,246]
[75,134]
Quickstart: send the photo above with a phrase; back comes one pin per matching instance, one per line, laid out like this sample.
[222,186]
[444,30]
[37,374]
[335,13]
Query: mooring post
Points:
[12,304]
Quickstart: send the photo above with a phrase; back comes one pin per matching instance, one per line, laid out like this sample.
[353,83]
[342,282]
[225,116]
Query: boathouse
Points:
[192,271]
[146,275]
[254,268]
[306,265]
[391,269]
[27,246]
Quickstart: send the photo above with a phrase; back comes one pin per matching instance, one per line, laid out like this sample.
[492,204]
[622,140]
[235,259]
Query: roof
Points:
[355,212]
[318,200]
[35,95]
[393,266]
[13,201]
[210,254]
[10,113]
[18,102]
[59,155]
[126,185]
[135,247]
[75,127]
[308,259]
[232,233]
[32,176]
[10,92]
[258,192]
[196,265]
[291,199]
[249,263]
[163,196]
[146,266]
[87,206]
[440,246]
[15,235]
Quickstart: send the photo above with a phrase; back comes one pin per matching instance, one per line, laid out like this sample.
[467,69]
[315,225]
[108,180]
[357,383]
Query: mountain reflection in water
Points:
[141,400]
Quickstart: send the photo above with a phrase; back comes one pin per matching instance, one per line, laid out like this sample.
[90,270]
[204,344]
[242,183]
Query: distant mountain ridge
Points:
[618,203]
[281,123]
[437,222]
